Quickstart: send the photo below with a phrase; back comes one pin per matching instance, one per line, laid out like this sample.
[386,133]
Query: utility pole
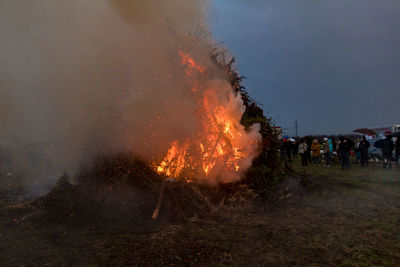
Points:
[296,125]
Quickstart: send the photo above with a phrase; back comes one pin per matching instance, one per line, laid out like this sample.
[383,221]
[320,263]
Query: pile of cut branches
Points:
[124,189]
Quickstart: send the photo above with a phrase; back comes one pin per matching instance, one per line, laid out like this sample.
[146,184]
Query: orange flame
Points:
[174,161]
[221,146]
[188,61]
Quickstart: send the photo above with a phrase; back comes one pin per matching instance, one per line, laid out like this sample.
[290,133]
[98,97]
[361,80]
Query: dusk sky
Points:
[335,65]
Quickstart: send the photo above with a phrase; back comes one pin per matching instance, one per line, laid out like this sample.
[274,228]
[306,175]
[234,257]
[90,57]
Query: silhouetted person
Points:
[295,147]
[363,148]
[344,151]
[308,141]
[387,150]
[288,150]
[397,148]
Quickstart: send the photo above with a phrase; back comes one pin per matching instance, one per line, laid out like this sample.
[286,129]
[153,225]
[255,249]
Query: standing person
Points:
[363,148]
[358,151]
[283,149]
[397,149]
[344,151]
[338,152]
[308,141]
[328,149]
[303,149]
[316,151]
[321,149]
[334,144]
[288,150]
[331,148]
[334,156]
[294,148]
[387,150]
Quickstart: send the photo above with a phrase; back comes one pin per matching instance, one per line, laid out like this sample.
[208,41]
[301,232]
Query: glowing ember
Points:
[222,148]
[191,64]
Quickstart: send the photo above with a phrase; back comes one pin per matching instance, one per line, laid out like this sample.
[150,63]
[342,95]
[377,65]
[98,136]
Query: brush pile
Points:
[124,189]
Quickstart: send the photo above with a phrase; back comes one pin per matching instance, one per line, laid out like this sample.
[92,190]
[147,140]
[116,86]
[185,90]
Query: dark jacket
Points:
[344,147]
[364,145]
[387,147]
[287,146]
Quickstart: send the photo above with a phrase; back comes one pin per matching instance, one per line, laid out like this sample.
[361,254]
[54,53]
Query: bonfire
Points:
[221,149]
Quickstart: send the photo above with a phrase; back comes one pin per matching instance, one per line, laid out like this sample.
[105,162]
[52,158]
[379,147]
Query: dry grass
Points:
[328,217]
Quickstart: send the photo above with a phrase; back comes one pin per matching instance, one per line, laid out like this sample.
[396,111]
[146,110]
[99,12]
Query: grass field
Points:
[321,217]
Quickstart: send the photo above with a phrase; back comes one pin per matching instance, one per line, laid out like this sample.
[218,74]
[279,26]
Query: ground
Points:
[323,217]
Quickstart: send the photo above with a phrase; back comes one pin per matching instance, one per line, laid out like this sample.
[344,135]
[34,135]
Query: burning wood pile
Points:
[158,89]
[197,178]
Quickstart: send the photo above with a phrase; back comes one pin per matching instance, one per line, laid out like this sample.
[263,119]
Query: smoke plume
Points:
[82,77]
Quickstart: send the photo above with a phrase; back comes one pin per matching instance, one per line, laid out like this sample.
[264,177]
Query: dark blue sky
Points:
[335,65]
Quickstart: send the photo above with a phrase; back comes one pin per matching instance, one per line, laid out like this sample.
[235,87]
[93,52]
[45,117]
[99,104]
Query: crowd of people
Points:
[318,150]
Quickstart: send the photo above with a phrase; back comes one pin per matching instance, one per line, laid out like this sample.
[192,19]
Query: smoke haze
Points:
[83,77]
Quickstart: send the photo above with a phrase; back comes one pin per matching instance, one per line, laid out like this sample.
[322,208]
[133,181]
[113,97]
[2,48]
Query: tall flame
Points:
[221,149]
